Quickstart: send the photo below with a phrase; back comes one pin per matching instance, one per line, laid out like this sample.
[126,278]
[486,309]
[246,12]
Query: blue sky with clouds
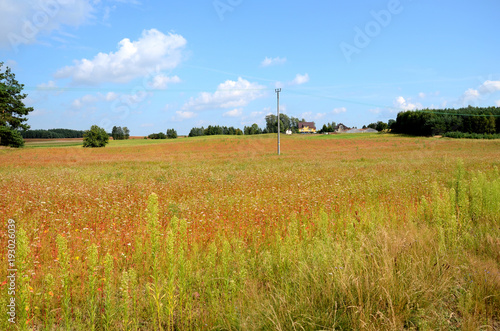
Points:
[152,65]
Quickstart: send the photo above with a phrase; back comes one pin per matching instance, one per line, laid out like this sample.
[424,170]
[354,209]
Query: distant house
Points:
[341,128]
[307,127]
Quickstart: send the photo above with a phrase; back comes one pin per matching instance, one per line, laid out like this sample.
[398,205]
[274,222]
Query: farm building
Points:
[307,127]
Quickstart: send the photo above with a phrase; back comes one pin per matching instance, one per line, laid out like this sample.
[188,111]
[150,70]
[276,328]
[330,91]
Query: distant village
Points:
[310,127]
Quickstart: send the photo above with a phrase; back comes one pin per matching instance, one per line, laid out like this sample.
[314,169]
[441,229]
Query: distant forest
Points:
[52,133]
[470,120]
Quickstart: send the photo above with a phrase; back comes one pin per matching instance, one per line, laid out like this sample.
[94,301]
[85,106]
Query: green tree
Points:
[390,123]
[117,133]
[12,109]
[126,132]
[381,126]
[171,134]
[9,137]
[95,137]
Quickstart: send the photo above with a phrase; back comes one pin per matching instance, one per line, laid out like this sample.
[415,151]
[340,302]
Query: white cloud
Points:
[22,22]
[423,95]
[111,96]
[497,103]
[471,94]
[233,113]
[489,87]
[485,89]
[272,61]
[152,52]
[259,113]
[84,101]
[183,115]
[230,94]
[339,110]
[300,79]
[160,81]
[403,104]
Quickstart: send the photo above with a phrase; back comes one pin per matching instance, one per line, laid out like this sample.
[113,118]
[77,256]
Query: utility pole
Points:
[278,90]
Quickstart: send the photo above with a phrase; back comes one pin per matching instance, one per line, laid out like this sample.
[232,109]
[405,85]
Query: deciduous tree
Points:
[95,137]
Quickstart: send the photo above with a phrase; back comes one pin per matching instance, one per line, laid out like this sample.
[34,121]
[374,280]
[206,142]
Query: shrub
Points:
[463,135]
[95,137]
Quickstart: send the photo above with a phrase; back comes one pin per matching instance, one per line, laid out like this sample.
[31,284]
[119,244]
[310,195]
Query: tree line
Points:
[171,134]
[52,134]
[286,123]
[438,122]
[213,130]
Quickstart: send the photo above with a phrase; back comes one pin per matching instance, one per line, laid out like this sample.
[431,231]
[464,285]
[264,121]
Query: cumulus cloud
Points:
[423,95]
[484,90]
[300,79]
[22,22]
[154,51]
[470,95]
[86,100]
[183,115]
[230,94]
[497,103]
[489,87]
[160,81]
[272,61]
[403,104]
[339,110]
[237,112]
[111,96]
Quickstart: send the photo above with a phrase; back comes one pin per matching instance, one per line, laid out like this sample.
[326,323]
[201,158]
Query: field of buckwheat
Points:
[342,232]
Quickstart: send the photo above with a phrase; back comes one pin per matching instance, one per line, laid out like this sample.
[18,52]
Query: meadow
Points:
[340,232]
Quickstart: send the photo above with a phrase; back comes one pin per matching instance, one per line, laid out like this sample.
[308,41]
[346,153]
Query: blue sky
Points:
[152,65]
